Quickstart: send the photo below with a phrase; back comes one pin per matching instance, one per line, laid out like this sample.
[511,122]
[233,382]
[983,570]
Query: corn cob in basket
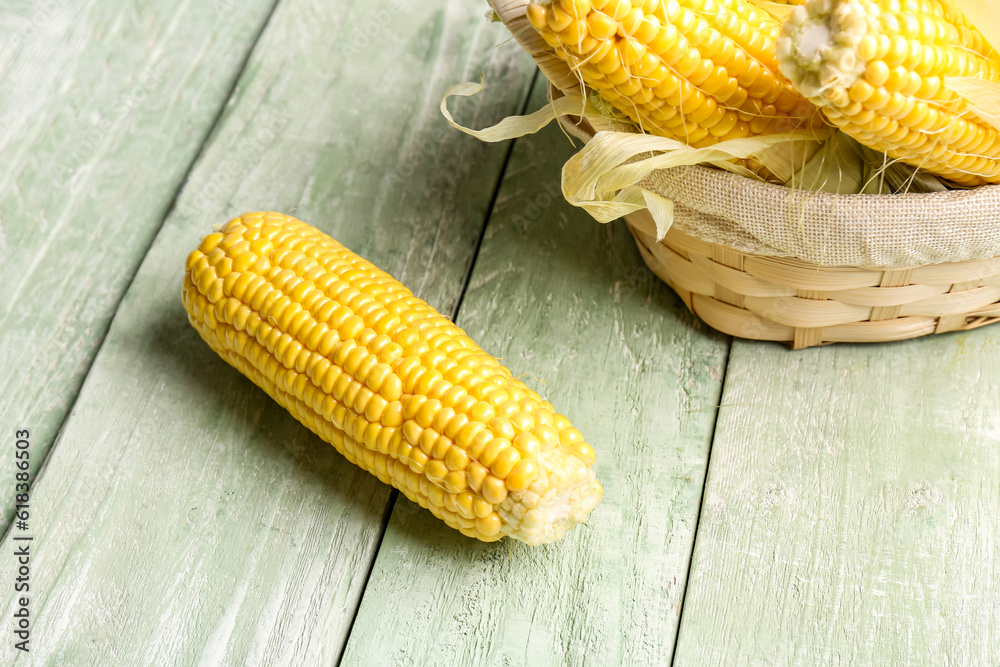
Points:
[698,71]
[396,387]
[878,70]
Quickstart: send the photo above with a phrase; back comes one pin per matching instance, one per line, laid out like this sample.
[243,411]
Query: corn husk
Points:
[779,11]
[605,176]
[982,97]
[838,167]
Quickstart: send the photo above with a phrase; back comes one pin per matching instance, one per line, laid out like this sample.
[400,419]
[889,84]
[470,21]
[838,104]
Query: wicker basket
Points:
[787,299]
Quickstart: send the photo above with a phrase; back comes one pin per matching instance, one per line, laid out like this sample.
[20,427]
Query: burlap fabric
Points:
[899,230]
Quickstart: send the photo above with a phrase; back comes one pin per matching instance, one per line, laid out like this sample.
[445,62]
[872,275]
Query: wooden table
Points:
[831,506]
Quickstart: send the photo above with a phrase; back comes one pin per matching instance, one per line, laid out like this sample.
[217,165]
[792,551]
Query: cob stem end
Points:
[817,48]
[557,501]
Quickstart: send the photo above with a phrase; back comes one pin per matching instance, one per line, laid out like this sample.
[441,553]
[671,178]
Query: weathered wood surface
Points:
[852,508]
[568,303]
[183,518]
[103,108]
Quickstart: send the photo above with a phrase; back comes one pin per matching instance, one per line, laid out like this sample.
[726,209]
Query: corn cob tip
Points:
[817,48]
[696,71]
[392,384]
[563,495]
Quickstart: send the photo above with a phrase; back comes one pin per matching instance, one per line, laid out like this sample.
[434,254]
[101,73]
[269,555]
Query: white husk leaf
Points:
[604,176]
[981,96]
[779,11]
[513,127]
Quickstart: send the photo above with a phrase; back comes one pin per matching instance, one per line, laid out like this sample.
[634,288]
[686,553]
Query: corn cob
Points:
[697,71]
[396,387]
[877,70]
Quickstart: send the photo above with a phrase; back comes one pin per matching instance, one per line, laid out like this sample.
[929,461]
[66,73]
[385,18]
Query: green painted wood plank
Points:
[850,514]
[183,518]
[569,303]
[103,108]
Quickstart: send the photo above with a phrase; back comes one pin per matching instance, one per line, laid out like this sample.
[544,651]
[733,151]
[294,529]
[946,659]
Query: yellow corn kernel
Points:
[505,462]
[522,475]
[493,450]
[494,490]
[528,444]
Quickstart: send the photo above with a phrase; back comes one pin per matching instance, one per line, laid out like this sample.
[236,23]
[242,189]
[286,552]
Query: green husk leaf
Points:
[838,167]
[874,173]
[884,175]
[786,159]
[903,178]
[609,111]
